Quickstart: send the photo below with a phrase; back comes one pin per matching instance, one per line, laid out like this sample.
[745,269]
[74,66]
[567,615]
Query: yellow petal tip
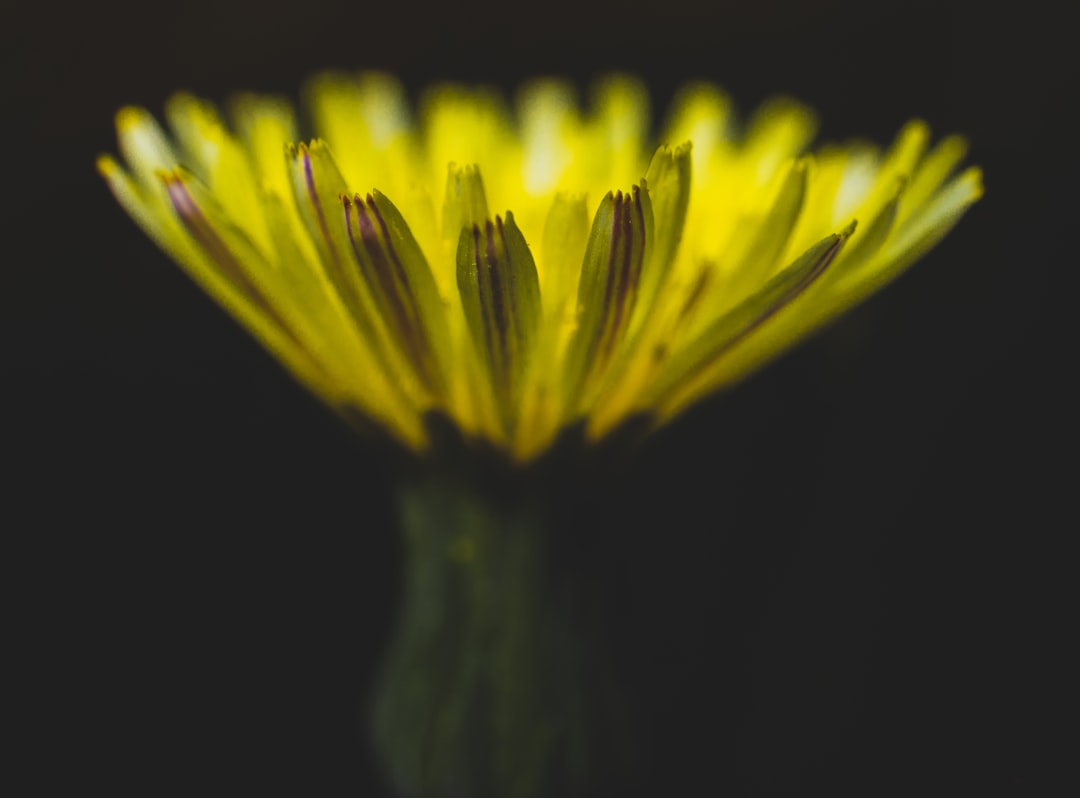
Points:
[106,166]
[976,177]
[130,117]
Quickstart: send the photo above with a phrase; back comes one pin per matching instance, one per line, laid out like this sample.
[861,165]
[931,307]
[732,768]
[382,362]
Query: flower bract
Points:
[524,270]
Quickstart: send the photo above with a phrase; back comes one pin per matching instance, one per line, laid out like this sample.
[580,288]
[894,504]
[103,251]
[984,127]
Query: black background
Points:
[846,577]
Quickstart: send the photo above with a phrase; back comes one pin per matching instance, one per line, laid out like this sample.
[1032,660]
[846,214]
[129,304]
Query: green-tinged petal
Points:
[757,261]
[687,367]
[915,235]
[301,280]
[415,265]
[500,295]
[133,198]
[935,168]
[399,282]
[907,150]
[237,258]
[464,202]
[264,124]
[869,238]
[317,186]
[144,145]
[220,161]
[607,292]
[643,357]
[368,117]
[843,288]
[778,132]
[669,178]
[668,181]
[220,258]
[252,276]
[618,133]
[470,126]
[319,190]
[701,115]
[566,231]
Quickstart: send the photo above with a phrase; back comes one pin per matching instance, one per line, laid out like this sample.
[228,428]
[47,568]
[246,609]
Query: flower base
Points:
[495,684]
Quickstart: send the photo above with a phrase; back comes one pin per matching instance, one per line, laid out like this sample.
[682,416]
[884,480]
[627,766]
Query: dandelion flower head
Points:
[521,271]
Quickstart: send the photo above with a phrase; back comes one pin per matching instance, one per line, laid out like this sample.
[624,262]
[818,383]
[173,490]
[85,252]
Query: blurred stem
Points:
[495,683]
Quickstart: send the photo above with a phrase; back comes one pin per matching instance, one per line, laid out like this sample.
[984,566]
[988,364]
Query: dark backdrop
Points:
[846,577]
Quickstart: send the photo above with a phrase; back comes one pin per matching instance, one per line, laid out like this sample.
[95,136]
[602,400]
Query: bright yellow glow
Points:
[357,258]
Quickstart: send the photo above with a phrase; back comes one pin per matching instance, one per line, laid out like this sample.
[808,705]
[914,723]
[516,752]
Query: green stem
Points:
[495,685]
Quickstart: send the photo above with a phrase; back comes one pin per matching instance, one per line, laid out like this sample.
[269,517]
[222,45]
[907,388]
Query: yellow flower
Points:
[523,273]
